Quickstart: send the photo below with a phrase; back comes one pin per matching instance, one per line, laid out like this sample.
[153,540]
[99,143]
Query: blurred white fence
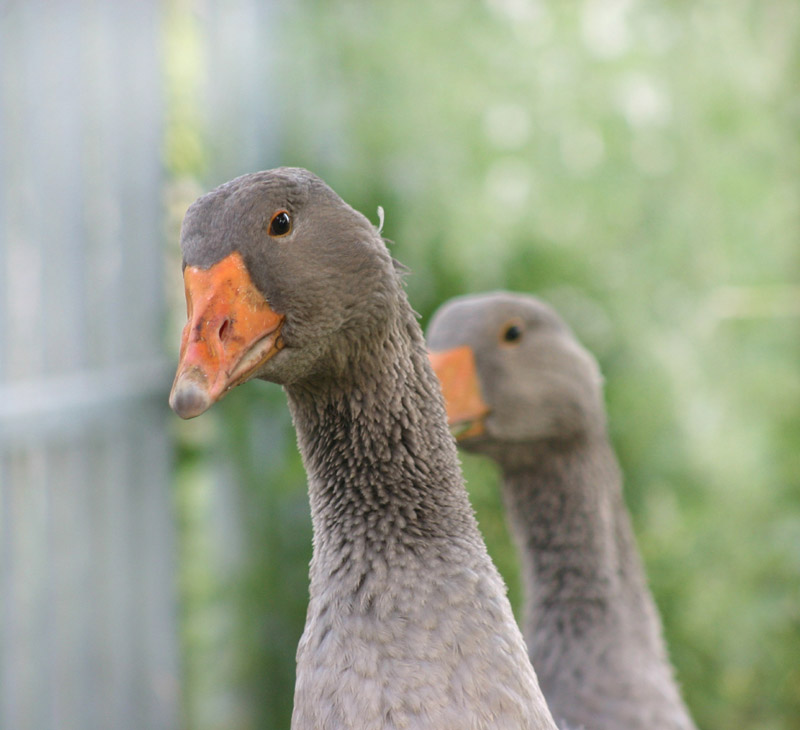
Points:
[87,589]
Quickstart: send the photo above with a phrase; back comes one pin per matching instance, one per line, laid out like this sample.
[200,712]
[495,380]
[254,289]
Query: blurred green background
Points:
[635,163]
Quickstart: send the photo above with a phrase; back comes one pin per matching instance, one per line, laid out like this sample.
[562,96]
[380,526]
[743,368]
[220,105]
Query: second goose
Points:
[521,389]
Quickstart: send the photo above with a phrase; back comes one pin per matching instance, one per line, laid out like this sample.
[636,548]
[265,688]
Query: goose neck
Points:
[384,479]
[563,509]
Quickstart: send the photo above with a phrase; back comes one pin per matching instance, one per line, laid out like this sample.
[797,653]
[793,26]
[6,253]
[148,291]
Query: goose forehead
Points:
[236,202]
[476,319]
[237,213]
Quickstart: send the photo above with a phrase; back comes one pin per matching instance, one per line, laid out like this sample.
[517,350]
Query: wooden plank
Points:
[72,606]
[26,679]
[158,558]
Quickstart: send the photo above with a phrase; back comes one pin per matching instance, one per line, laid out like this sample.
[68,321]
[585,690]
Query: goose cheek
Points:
[458,376]
[231,333]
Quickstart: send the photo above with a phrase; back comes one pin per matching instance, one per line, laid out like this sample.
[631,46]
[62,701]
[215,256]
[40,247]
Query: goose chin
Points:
[194,392]
[465,430]
[254,359]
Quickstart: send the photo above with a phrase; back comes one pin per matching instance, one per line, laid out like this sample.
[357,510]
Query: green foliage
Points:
[275,572]
[634,162]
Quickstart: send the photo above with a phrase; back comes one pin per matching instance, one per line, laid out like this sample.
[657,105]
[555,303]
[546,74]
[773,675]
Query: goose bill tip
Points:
[188,397]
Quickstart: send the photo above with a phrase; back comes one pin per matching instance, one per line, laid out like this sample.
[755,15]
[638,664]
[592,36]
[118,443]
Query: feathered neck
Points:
[384,477]
[591,626]
[564,507]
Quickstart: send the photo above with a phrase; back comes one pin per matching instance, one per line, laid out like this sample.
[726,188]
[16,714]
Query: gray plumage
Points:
[592,628]
[408,623]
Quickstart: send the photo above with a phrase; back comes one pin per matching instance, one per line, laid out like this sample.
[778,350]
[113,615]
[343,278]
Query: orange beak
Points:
[461,388]
[231,332]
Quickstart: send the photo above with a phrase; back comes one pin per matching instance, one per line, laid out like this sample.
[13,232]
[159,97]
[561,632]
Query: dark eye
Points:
[512,333]
[280,224]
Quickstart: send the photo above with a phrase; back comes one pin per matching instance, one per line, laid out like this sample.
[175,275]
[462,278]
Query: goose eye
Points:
[512,333]
[280,224]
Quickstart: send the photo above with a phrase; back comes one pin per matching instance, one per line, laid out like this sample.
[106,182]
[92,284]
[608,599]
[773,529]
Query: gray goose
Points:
[408,622]
[520,389]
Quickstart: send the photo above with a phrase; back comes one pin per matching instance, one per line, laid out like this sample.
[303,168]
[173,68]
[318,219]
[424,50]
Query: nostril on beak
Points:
[224,329]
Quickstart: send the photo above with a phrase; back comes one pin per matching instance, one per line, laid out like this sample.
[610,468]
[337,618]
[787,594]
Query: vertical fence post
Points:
[87,610]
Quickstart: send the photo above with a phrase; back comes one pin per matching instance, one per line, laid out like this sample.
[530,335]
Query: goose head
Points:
[283,282]
[512,373]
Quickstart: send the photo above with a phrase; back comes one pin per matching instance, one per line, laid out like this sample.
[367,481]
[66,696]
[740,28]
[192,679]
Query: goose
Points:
[408,623]
[521,390]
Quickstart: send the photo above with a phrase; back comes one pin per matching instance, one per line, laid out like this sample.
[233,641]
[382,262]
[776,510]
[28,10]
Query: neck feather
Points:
[591,626]
[384,478]
[579,558]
